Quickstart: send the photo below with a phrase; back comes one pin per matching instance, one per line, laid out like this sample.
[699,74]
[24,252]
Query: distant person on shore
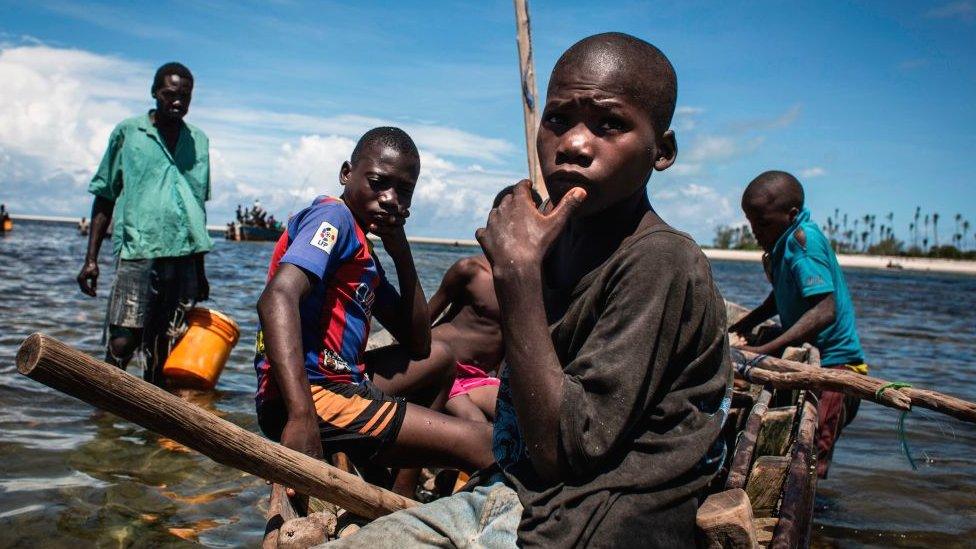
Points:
[809,295]
[315,389]
[617,366]
[152,183]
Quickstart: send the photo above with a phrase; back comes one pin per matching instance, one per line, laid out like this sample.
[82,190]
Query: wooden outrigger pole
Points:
[530,95]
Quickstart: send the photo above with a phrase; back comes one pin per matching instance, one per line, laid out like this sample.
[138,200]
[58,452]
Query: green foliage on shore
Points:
[735,237]
[850,234]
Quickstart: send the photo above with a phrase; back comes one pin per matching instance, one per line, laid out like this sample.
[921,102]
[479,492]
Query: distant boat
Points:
[8,225]
[252,233]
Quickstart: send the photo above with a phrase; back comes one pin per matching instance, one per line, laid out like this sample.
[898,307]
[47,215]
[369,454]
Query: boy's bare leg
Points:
[435,439]
[122,345]
[463,407]
[425,382]
[484,398]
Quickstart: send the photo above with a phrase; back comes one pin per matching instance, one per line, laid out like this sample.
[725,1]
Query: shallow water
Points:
[70,474]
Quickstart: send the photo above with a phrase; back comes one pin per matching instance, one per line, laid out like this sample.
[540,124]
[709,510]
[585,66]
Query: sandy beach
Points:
[886,262]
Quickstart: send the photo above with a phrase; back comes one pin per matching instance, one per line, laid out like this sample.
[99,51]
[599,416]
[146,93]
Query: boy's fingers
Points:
[569,203]
[523,189]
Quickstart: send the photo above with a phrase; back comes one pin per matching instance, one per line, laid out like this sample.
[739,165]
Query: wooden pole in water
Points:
[788,374]
[530,95]
[47,360]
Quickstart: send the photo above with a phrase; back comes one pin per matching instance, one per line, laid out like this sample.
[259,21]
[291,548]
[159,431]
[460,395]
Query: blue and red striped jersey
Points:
[325,241]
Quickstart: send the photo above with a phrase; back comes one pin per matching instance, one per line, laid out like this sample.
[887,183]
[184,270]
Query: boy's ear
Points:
[794,211]
[667,151]
[344,173]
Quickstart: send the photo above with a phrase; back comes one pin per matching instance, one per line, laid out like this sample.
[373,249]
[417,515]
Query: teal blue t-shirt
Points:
[799,272]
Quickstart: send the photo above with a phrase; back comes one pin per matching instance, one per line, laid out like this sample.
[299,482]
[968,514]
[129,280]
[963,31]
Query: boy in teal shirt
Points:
[809,294]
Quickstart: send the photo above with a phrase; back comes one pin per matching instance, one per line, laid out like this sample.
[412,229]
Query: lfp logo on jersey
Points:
[325,237]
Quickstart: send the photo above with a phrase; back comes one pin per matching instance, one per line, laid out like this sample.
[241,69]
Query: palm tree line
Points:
[869,234]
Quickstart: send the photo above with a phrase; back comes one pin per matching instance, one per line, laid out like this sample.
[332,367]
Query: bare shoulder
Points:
[472,266]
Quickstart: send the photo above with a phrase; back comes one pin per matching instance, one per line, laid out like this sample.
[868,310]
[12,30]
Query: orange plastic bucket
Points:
[200,355]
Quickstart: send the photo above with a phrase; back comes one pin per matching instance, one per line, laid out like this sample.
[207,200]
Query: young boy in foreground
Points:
[809,294]
[617,361]
[324,284]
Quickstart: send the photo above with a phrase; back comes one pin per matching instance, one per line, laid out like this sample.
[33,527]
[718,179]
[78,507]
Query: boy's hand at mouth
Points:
[390,230]
[518,236]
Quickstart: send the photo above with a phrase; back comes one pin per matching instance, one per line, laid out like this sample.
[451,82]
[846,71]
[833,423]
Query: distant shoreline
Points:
[857,261]
[879,262]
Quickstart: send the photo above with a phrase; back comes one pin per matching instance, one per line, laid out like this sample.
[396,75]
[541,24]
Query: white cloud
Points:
[438,139]
[713,149]
[694,208]
[964,11]
[686,118]
[59,105]
[815,171]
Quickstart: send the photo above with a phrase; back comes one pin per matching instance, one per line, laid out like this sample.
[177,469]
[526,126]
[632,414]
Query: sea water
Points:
[70,474]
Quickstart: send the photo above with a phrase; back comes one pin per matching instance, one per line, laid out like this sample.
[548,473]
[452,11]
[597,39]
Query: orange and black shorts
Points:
[357,419]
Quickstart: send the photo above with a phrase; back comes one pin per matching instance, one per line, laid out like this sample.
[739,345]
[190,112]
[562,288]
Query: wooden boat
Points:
[762,496]
[253,233]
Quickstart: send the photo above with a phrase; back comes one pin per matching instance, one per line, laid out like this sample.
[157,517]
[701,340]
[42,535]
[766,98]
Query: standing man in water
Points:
[154,179]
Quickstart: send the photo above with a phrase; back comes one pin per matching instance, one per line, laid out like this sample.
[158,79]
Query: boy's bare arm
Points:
[452,285]
[101,217]
[757,316]
[515,241]
[407,318]
[821,314]
[281,326]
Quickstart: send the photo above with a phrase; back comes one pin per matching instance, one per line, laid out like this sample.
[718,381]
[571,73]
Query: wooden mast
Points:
[530,104]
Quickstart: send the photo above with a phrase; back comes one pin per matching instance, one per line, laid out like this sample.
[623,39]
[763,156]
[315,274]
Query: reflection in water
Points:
[69,474]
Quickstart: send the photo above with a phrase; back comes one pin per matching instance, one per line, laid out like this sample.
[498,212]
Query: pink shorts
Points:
[470,378]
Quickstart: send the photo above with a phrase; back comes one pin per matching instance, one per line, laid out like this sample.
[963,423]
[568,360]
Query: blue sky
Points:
[870,104]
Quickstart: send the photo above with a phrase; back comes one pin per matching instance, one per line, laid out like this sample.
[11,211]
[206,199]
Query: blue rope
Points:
[904,440]
[747,367]
[902,437]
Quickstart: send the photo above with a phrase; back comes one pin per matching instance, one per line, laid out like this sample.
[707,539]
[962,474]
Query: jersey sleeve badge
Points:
[325,237]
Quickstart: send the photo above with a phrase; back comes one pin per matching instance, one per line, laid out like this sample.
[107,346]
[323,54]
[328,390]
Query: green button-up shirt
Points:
[159,197]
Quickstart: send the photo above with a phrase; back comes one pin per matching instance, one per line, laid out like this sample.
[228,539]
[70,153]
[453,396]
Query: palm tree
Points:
[918,212]
[925,239]
[965,230]
[935,227]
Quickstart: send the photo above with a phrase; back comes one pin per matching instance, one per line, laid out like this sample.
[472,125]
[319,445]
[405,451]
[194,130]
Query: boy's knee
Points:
[445,366]
[122,344]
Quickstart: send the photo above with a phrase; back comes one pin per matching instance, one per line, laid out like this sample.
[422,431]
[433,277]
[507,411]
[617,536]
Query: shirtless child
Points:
[470,331]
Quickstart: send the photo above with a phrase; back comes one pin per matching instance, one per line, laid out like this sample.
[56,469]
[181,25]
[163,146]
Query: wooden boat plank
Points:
[725,520]
[765,485]
[745,447]
[774,435]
